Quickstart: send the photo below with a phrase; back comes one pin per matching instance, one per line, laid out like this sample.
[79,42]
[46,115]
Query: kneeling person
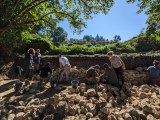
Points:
[109,75]
[46,71]
[92,75]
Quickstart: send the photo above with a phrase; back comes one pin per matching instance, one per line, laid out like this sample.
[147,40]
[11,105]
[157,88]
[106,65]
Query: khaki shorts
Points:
[67,68]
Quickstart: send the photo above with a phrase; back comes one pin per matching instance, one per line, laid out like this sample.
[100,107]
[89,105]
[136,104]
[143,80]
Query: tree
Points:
[27,13]
[152,9]
[88,38]
[97,38]
[117,38]
[58,36]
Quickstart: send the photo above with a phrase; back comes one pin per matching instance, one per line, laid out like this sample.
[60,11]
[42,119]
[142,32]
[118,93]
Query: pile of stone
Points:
[135,101]
[143,103]
[136,77]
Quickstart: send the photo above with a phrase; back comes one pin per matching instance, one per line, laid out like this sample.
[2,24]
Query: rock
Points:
[70,118]
[82,85]
[157,115]
[139,69]
[149,109]
[150,117]
[85,94]
[102,102]
[135,82]
[44,101]
[89,115]
[104,110]
[91,92]
[31,91]
[19,116]
[101,87]
[143,95]
[21,103]
[120,118]
[49,117]
[89,106]
[112,117]
[19,109]
[35,85]
[82,102]
[128,117]
[83,89]
[144,88]
[72,90]
[72,110]
[133,112]
[83,110]
[27,114]
[11,117]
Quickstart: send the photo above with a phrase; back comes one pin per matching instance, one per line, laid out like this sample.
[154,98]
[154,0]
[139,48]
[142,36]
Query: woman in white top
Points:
[64,66]
[117,64]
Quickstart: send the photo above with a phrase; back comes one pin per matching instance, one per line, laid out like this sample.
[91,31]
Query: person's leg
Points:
[117,73]
[36,68]
[61,76]
[67,71]
[120,74]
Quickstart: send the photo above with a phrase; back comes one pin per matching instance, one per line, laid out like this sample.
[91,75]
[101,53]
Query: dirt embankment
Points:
[132,61]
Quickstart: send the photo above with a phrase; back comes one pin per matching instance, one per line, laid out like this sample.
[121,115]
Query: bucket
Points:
[74,84]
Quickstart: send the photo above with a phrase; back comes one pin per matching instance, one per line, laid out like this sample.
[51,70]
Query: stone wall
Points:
[136,77]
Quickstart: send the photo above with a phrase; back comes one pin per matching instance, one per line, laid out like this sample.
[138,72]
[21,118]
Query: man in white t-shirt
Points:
[64,66]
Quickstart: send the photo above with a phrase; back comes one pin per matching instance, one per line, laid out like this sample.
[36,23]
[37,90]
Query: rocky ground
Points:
[133,102]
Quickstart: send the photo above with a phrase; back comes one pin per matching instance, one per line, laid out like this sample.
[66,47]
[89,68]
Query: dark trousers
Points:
[119,73]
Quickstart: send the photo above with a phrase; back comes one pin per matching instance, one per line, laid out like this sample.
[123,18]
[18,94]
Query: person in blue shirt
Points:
[154,72]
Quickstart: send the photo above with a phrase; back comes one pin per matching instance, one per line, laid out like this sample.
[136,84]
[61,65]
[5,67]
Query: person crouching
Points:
[64,67]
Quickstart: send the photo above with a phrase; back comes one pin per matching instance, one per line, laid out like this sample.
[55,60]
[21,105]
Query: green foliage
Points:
[59,35]
[145,43]
[28,13]
[79,49]
[33,41]
[152,9]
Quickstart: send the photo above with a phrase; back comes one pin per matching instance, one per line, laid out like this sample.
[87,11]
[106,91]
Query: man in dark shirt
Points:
[46,71]
[45,74]
[109,75]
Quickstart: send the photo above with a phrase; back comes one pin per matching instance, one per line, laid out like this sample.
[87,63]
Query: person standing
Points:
[37,61]
[118,65]
[29,61]
[64,67]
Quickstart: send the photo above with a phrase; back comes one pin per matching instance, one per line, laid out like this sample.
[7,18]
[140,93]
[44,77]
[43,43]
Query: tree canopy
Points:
[152,9]
[17,13]
[58,36]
